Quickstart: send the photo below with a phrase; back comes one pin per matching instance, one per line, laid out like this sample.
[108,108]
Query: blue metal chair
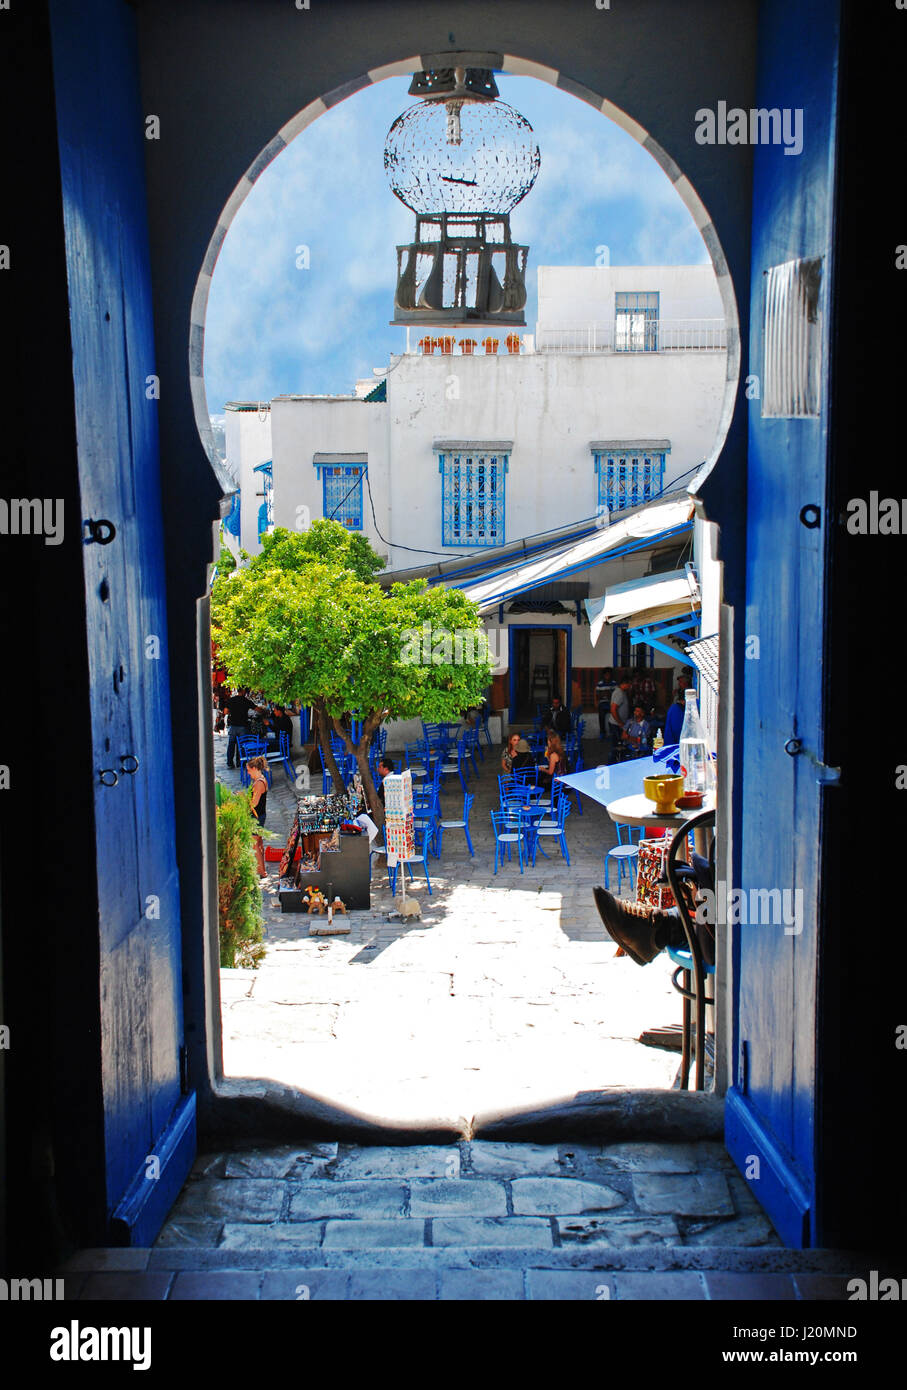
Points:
[509,830]
[625,855]
[250,746]
[420,858]
[552,828]
[281,754]
[463,825]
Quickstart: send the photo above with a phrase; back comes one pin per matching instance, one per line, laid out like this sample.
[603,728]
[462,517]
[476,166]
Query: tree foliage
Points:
[239,901]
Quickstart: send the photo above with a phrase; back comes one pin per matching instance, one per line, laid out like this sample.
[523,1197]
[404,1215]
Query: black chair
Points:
[689,960]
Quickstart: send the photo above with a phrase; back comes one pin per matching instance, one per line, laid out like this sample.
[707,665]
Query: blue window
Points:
[266,510]
[343,494]
[635,322]
[472,498]
[625,479]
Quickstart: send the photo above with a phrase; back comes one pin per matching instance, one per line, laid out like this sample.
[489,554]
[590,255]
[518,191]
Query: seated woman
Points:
[555,764]
[509,753]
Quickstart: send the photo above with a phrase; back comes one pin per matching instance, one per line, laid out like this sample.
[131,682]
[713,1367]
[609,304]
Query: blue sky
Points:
[272,328]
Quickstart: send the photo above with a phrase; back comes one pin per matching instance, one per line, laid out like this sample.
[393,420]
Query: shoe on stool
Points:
[642,931]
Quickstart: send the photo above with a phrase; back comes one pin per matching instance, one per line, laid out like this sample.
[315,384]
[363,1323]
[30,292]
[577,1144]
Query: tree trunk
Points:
[328,761]
[360,753]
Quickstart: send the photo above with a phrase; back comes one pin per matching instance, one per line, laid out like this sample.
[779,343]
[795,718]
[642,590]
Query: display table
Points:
[344,873]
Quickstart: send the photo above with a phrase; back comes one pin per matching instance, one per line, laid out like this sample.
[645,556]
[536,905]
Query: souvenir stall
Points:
[326,856]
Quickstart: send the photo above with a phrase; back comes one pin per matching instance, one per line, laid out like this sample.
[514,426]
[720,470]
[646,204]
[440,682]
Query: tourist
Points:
[674,717]
[510,753]
[258,801]
[556,717]
[643,932]
[620,710]
[603,698]
[522,758]
[279,722]
[239,707]
[555,764]
[636,731]
[385,768]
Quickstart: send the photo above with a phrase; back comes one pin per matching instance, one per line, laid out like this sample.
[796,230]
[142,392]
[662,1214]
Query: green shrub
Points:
[239,901]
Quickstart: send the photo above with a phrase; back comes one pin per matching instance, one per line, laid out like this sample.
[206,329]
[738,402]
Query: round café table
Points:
[639,810]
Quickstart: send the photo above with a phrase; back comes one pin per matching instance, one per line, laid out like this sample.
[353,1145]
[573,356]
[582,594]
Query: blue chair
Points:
[281,754]
[552,828]
[463,825]
[625,855]
[509,830]
[418,759]
[421,857]
[250,746]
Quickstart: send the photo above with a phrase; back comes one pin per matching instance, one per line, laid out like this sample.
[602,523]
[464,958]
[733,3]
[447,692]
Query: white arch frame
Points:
[515,67]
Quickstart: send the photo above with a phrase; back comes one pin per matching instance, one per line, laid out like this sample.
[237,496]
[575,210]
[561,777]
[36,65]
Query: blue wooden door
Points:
[771,1110]
[149,1109]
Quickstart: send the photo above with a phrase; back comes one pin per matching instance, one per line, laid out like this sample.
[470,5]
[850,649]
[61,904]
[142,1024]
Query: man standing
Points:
[603,697]
[674,718]
[620,710]
[238,707]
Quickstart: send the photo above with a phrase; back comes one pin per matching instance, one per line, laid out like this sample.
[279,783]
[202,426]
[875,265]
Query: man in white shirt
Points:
[620,710]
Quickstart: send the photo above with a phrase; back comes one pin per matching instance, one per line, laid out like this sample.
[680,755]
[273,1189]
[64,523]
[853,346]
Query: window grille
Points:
[636,322]
[343,494]
[627,479]
[472,498]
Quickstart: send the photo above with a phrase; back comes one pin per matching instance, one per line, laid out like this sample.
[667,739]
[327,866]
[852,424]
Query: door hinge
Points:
[825,775]
[743,1069]
[184,1069]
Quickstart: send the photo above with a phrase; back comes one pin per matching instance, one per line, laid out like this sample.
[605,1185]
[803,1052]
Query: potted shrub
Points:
[468,346]
[427,345]
[490,344]
[513,342]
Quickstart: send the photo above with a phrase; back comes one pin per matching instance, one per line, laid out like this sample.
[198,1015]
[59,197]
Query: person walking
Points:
[258,804]
[239,707]
[603,699]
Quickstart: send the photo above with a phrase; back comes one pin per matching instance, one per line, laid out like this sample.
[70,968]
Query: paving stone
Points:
[699,1194]
[649,1158]
[216,1284]
[131,1258]
[562,1196]
[685,1284]
[710,1154]
[393,1285]
[439,1197]
[368,1235]
[821,1287]
[304,1285]
[527,1231]
[746,1287]
[248,1235]
[412,1161]
[287,1161]
[372,1198]
[618,1232]
[576,1285]
[514,1160]
[122,1284]
[482,1285]
[743,1230]
[246,1199]
[210,1165]
[190,1230]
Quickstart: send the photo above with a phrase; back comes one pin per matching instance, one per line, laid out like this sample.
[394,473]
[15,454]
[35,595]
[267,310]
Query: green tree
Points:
[312,628]
[239,902]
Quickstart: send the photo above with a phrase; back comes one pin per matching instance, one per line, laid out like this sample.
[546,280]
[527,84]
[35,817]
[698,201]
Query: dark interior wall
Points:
[224,76]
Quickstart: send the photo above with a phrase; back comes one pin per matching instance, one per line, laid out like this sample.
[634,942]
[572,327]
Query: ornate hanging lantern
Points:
[461,159]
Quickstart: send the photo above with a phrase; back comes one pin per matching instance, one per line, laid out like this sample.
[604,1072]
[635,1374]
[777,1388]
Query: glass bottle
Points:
[695,752]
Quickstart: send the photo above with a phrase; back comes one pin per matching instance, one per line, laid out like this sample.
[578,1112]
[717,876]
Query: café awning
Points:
[650,602]
[639,531]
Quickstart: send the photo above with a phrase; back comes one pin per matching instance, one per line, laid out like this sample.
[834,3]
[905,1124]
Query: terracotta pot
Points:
[490,345]
[427,346]
[468,346]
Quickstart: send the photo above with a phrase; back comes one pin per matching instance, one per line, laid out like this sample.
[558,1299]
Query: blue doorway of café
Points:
[540,662]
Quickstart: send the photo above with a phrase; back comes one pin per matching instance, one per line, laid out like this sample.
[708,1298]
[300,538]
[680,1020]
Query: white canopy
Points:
[647,525]
[653,599]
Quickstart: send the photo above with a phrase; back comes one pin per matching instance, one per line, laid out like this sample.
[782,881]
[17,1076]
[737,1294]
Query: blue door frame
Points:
[539,627]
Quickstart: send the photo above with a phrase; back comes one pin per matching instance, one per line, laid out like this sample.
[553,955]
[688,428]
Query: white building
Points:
[454,454]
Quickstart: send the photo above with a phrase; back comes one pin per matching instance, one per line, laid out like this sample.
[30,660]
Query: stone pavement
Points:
[507,993]
[474,1220]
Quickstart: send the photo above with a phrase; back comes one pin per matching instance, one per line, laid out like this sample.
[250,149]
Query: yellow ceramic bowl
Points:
[664,791]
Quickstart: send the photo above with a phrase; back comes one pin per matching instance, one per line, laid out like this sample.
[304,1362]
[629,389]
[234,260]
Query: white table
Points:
[639,810]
